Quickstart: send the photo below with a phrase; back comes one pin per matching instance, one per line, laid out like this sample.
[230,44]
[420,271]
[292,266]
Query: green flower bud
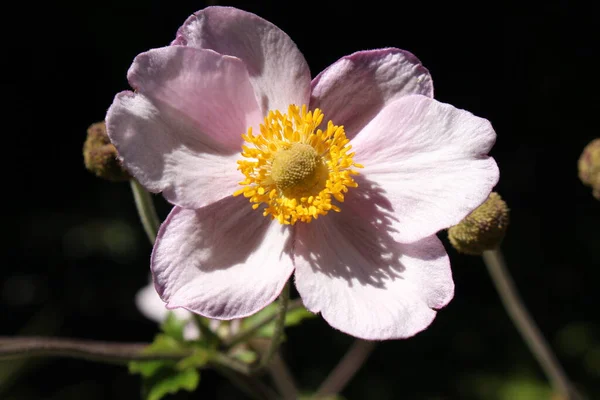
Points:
[483,229]
[100,155]
[589,167]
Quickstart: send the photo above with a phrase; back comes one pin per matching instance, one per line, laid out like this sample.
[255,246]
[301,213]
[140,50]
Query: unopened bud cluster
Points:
[589,167]
[483,229]
[100,155]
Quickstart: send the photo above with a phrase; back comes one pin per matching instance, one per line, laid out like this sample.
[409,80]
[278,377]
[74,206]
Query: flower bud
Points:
[100,155]
[589,167]
[483,229]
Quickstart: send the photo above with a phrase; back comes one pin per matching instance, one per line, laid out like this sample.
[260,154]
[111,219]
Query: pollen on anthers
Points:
[295,168]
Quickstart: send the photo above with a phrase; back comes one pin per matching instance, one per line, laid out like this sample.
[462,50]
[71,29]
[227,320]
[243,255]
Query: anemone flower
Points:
[343,180]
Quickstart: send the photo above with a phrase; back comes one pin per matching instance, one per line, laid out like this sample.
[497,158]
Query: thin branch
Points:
[346,368]
[525,325]
[205,329]
[249,385]
[277,337]
[230,363]
[146,210]
[278,369]
[120,353]
[282,377]
[109,352]
[252,329]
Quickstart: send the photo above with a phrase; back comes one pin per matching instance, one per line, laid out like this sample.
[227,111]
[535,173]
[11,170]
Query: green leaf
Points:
[170,381]
[196,360]
[292,318]
[162,377]
[145,368]
[208,337]
[162,343]
[173,327]
[254,318]
[295,317]
[245,356]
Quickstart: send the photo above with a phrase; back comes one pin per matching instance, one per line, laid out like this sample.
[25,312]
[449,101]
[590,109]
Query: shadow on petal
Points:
[350,268]
[223,261]
[358,243]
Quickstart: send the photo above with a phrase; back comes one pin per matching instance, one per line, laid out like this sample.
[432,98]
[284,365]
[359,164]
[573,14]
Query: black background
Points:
[75,254]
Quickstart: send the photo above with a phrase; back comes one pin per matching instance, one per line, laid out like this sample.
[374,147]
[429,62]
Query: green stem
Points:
[277,337]
[205,329]
[346,368]
[146,210]
[250,331]
[525,325]
[225,361]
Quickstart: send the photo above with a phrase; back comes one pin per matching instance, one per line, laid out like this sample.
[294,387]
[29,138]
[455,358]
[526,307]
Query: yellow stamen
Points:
[294,168]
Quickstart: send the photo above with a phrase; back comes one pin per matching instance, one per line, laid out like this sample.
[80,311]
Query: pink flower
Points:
[355,227]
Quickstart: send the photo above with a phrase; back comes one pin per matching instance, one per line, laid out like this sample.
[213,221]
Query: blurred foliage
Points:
[162,377]
[292,318]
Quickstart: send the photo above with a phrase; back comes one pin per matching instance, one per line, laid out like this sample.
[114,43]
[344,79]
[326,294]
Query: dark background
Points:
[75,254]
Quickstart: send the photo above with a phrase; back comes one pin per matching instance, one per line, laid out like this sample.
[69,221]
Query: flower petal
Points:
[431,160]
[210,91]
[179,132]
[155,148]
[364,283]
[278,71]
[355,88]
[223,261]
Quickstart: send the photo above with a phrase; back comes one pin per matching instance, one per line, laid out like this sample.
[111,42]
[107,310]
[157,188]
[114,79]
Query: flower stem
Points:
[251,330]
[346,368]
[280,374]
[251,386]
[283,379]
[525,325]
[224,360]
[146,210]
[277,337]
[205,330]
